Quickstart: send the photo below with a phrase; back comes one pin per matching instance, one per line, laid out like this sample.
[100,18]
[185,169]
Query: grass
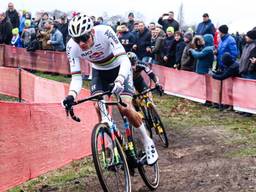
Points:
[183,114]
[179,114]
[59,178]
[8,98]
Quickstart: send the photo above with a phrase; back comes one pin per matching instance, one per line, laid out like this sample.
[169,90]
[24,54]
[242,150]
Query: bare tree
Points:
[180,18]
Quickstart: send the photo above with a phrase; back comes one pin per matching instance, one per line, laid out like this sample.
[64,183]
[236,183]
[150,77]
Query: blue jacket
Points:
[205,56]
[205,28]
[227,44]
[57,40]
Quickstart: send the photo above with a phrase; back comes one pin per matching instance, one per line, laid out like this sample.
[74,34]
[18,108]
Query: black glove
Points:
[68,101]
[160,89]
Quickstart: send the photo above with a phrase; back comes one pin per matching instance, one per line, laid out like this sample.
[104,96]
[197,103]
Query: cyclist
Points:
[138,67]
[110,64]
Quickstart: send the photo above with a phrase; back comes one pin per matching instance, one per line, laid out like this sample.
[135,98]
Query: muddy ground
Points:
[197,160]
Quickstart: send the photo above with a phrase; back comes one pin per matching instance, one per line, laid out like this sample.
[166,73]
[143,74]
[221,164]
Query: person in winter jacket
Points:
[16,40]
[187,60]
[169,48]
[157,41]
[27,32]
[227,44]
[231,68]
[247,69]
[56,38]
[180,46]
[142,47]
[5,29]
[167,20]
[205,55]
[13,15]
[205,27]
[126,37]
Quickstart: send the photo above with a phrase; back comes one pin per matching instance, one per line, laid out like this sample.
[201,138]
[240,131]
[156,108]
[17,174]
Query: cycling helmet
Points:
[133,57]
[80,25]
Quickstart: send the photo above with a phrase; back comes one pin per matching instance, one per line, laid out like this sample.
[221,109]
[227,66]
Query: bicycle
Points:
[143,103]
[116,155]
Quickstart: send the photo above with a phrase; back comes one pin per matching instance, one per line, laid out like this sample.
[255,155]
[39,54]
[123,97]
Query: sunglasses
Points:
[84,38]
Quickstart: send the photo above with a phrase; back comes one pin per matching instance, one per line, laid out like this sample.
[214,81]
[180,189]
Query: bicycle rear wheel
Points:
[157,124]
[109,161]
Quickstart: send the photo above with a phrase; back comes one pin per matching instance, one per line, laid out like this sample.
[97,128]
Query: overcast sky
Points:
[238,15]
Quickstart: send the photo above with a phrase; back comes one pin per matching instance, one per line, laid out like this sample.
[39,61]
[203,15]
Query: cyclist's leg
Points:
[97,85]
[136,120]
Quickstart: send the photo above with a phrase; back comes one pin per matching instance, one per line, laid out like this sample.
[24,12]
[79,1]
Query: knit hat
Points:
[27,23]
[170,29]
[251,34]
[15,31]
[223,29]
[227,59]
[188,35]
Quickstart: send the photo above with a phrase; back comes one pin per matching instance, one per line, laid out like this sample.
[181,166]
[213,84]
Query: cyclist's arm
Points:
[148,71]
[119,51]
[75,70]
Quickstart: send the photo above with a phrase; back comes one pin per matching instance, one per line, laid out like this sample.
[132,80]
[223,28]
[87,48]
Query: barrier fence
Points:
[35,135]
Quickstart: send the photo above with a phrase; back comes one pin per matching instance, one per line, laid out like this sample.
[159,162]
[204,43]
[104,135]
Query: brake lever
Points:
[70,111]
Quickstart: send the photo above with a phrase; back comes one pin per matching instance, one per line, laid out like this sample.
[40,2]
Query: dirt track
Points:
[195,161]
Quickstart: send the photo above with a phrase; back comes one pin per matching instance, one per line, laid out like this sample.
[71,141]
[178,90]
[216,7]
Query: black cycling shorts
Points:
[102,78]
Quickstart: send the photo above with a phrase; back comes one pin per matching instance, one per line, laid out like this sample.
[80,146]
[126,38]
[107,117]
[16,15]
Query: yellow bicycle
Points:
[145,106]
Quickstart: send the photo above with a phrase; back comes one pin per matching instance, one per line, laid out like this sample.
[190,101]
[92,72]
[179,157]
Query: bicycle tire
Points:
[149,173]
[156,122]
[104,130]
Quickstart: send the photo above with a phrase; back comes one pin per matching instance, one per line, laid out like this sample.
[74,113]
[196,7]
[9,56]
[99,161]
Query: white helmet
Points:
[80,25]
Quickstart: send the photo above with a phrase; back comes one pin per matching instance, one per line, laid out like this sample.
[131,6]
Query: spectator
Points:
[205,27]
[187,60]
[5,29]
[169,48]
[99,21]
[27,33]
[45,35]
[151,26]
[205,55]
[25,16]
[143,43]
[167,20]
[246,68]
[13,15]
[16,40]
[157,41]
[227,44]
[180,46]
[43,20]
[126,37]
[63,27]
[231,68]
[130,23]
[56,39]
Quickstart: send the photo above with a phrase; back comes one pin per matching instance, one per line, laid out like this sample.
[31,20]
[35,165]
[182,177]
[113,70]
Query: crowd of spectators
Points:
[207,49]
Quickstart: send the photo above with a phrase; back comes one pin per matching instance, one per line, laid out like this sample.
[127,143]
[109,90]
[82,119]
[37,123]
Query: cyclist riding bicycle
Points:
[110,64]
[137,68]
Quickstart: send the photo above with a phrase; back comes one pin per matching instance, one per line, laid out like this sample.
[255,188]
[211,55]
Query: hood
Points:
[208,39]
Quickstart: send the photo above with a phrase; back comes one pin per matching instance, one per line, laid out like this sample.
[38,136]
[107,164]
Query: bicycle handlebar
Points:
[70,111]
[147,91]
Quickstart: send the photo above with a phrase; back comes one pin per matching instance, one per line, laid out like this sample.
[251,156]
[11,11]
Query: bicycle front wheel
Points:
[109,161]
